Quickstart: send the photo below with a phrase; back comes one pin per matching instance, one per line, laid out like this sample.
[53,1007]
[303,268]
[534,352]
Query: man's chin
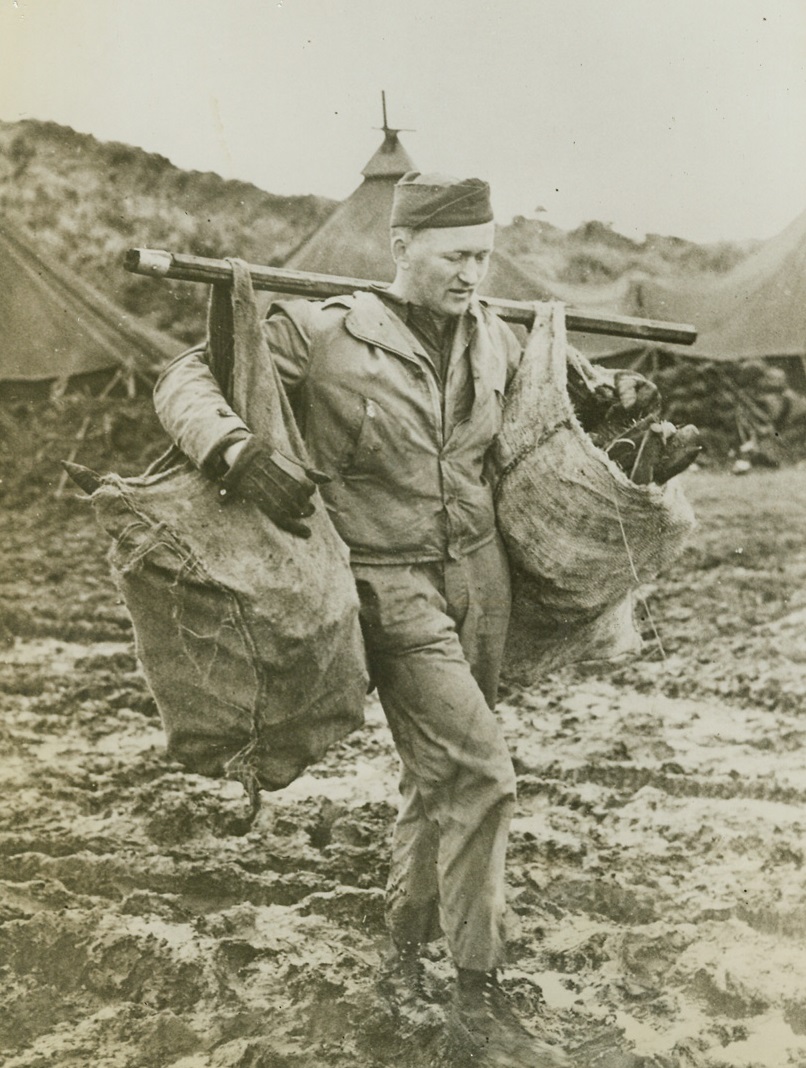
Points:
[456,302]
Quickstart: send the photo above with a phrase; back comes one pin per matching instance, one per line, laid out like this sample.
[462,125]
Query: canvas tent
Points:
[54,327]
[755,311]
[354,240]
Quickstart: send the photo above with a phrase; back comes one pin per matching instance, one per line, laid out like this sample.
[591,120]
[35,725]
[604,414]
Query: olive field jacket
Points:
[406,458]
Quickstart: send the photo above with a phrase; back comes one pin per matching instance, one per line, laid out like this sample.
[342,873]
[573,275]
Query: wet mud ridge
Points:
[657,895]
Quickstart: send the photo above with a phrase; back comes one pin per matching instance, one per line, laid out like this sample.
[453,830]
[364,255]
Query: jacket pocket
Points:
[354,433]
[361,453]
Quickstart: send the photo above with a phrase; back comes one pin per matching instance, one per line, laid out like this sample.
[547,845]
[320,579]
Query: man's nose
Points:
[470,272]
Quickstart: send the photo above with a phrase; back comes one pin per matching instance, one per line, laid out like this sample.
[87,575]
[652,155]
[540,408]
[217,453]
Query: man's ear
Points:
[399,240]
[399,244]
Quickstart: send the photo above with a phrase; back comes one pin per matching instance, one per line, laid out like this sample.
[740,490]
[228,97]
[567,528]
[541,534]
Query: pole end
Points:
[148,261]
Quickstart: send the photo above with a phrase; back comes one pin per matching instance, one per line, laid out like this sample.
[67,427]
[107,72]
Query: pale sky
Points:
[684,117]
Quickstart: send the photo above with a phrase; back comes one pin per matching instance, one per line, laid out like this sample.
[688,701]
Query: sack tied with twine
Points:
[581,537]
[248,635]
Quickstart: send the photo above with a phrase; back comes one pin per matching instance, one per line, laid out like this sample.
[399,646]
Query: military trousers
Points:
[435,636]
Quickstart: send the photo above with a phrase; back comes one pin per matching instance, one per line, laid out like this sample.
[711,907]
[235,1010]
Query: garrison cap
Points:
[425,201]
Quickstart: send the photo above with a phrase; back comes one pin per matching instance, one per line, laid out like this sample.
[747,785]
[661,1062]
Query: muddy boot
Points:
[484,1031]
[401,978]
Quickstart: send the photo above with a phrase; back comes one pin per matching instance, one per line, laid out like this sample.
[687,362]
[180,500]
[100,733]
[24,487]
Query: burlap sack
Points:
[581,537]
[248,635]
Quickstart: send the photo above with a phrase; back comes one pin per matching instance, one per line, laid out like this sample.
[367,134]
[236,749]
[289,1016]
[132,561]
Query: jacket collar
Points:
[370,320]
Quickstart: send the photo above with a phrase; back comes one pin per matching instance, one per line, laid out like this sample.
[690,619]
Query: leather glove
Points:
[636,394]
[279,486]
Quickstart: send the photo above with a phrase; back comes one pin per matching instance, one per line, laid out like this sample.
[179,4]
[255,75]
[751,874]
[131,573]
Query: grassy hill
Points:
[85,202]
[594,253]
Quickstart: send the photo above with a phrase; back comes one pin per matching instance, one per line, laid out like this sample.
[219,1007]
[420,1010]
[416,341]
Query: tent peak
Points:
[391,160]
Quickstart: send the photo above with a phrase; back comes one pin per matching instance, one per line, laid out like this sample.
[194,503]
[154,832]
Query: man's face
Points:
[442,268]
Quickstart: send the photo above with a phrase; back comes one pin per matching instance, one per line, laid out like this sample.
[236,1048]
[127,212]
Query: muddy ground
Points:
[657,892]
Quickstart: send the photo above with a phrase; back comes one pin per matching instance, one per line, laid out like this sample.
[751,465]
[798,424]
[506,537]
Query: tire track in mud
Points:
[625,780]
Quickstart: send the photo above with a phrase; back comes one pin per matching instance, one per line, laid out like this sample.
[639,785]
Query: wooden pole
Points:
[157,263]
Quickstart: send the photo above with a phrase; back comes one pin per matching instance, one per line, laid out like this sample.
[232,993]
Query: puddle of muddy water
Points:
[772,1044]
[58,656]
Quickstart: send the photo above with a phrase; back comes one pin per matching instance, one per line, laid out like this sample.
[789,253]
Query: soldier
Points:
[399,393]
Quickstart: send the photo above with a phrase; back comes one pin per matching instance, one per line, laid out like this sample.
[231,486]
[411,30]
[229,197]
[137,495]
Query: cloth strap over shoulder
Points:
[243,366]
